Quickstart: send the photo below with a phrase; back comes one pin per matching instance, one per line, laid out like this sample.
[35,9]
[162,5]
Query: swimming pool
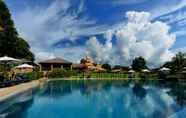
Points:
[101,99]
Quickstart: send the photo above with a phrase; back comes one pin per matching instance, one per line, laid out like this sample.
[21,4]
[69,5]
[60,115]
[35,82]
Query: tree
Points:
[106,66]
[10,42]
[138,64]
[117,67]
[82,61]
[178,62]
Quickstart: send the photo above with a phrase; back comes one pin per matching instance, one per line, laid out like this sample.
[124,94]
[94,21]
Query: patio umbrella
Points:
[131,71]
[7,60]
[184,70]
[164,69]
[24,66]
[145,70]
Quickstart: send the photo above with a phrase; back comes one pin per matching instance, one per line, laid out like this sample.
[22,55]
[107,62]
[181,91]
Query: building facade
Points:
[49,65]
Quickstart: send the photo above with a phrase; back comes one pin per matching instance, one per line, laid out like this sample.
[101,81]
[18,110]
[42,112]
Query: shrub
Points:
[61,73]
[32,76]
[56,73]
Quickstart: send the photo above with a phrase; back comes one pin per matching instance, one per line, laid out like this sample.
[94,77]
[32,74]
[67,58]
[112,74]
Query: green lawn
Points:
[108,75]
[99,75]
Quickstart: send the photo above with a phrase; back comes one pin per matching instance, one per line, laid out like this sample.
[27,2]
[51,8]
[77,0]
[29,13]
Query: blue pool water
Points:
[99,99]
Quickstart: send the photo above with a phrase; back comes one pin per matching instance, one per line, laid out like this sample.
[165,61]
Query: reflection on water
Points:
[101,99]
[14,107]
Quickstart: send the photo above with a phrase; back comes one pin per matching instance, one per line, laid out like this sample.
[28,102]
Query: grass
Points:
[101,75]
[107,75]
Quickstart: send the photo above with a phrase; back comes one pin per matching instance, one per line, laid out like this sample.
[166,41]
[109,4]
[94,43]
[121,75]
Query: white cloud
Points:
[138,17]
[126,2]
[45,26]
[73,54]
[44,55]
[95,48]
[167,6]
[139,37]
[182,49]
[178,18]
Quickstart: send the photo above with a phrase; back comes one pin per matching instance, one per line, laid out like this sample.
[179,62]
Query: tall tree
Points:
[82,61]
[106,66]
[138,64]
[178,62]
[10,42]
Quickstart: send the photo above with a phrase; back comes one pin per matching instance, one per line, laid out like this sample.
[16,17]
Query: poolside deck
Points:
[8,92]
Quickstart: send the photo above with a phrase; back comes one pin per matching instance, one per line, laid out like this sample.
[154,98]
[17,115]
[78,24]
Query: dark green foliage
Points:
[117,67]
[10,42]
[106,66]
[61,73]
[83,61]
[56,73]
[32,75]
[178,62]
[138,64]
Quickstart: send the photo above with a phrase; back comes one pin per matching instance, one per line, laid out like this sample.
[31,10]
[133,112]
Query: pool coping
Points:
[6,93]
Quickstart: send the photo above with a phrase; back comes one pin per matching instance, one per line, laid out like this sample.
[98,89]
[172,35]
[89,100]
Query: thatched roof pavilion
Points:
[50,64]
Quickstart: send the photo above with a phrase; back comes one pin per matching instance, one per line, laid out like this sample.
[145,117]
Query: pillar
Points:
[40,67]
[52,67]
[71,67]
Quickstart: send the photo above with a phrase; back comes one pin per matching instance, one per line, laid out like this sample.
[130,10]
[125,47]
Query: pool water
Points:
[100,99]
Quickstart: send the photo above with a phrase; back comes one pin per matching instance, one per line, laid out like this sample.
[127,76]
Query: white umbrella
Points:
[164,69]
[131,71]
[24,66]
[145,70]
[184,70]
[8,59]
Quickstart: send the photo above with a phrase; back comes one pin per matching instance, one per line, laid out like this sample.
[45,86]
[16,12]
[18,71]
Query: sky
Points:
[109,31]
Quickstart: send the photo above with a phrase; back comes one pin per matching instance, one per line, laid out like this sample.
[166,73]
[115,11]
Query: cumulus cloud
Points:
[73,54]
[138,37]
[45,26]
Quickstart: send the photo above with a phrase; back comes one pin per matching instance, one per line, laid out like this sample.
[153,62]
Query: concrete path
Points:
[8,92]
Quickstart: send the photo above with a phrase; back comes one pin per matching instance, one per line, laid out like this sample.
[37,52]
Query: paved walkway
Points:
[8,92]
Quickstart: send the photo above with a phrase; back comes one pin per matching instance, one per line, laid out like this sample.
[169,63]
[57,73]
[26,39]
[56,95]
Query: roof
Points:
[79,66]
[24,66]
[131,71]
[145,70]
[55,61]
[5,58]
[164,69]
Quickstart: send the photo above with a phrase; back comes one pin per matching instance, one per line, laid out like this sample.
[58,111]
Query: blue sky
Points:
[68,28]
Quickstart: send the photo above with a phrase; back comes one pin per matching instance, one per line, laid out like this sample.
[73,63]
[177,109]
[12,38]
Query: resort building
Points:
[49,65]
[91,66]
[80,67]
[119,68]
